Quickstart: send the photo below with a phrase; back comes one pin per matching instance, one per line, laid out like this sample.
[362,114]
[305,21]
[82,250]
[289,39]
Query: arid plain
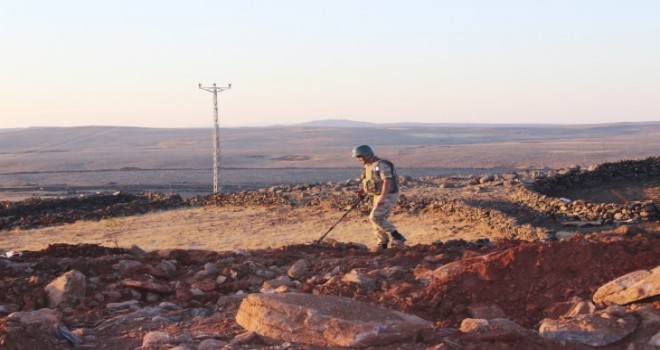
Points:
[57,161]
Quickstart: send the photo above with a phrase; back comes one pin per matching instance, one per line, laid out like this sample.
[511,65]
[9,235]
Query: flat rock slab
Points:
[325,320]
[147,286]
[599,329]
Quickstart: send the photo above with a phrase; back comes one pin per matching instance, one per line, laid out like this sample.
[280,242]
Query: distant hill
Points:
[347,123]
[338,123]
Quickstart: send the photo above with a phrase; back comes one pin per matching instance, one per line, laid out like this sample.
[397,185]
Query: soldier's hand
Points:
[360,193]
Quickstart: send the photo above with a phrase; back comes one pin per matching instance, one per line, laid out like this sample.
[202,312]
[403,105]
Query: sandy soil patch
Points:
[229,228]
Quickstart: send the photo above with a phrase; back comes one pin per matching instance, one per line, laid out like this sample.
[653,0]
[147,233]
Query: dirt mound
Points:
[528,280]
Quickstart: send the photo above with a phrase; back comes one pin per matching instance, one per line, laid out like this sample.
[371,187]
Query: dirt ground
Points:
[257,226]
[529,278]
[222,229]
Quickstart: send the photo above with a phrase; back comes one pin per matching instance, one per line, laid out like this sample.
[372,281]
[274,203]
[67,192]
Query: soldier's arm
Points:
[386,175]
[387,186]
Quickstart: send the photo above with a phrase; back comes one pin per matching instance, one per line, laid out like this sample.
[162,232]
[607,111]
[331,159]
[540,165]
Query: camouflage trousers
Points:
[379,217]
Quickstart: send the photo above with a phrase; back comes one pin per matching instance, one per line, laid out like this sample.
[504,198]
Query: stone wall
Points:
[537,192]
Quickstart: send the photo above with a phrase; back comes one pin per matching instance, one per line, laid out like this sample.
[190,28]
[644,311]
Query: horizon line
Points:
[340,123]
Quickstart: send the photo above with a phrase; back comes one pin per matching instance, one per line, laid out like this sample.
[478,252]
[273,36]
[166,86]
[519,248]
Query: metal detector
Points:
[353,206]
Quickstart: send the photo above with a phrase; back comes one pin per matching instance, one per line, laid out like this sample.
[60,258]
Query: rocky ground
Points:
[520,286]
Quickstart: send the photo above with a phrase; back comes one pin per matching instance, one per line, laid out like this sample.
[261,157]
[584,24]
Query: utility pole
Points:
[216,134]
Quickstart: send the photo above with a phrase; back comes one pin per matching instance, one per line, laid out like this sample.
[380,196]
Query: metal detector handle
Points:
[353,206]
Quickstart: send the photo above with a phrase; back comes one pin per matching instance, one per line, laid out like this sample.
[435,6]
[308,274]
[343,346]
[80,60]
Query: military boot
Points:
[398,240]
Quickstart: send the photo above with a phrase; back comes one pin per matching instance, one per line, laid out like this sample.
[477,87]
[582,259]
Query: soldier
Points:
[379,180]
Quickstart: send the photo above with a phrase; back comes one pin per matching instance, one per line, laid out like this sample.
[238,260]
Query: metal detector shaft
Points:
[342,217]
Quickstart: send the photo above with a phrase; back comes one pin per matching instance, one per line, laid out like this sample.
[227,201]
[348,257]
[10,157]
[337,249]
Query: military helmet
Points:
[363,151]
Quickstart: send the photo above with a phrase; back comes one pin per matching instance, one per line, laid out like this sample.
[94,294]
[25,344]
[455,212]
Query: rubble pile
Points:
[539,195]
[37,212]
[597,291]
[260,197]
[493,219]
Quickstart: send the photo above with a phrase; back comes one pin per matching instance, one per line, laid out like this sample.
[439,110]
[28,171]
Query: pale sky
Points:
[139,62]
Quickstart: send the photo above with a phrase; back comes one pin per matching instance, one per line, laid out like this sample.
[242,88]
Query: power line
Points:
[216,134]
[64,140]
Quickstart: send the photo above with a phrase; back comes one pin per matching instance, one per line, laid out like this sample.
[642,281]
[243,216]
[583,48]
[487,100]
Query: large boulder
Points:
[629,288]
[326,321]
[298,269]
[68,288]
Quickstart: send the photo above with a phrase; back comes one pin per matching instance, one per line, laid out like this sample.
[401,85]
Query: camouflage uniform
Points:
[372,182]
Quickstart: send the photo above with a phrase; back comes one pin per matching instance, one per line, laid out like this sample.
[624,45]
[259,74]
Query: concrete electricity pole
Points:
[216,134]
